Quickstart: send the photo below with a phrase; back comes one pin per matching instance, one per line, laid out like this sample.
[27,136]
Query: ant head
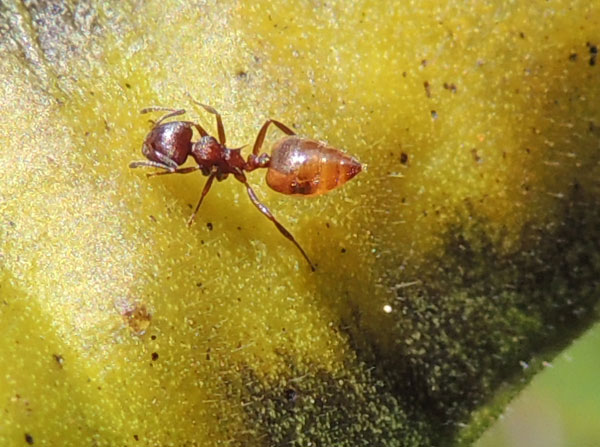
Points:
[207,150]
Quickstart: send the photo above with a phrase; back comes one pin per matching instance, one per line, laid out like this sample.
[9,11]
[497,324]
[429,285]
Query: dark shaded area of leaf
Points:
[478,319]
[311,406]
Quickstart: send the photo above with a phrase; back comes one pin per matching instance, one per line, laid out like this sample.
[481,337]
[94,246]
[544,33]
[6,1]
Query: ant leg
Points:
[207,186]
[176,171]
[173,112]
[260,138]
[149,164]
[263,209]
[210,109]
[200,130]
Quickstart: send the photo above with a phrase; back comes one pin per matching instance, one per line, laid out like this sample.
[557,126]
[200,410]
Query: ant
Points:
[296,166]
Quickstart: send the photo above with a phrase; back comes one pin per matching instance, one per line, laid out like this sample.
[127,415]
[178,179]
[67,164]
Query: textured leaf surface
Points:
[468,248]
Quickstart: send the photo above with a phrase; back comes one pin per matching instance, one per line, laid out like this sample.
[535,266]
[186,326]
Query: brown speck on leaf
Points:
[59,359]
[593,53]
[451,87]
[136,316]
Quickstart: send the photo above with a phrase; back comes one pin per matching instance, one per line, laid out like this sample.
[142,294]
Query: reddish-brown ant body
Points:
[297,166]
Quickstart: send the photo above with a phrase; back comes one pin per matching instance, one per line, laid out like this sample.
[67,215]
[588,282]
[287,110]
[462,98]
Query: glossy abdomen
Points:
[308,167]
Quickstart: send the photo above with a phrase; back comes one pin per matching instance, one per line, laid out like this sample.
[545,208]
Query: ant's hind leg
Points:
[263,209]
[260,138]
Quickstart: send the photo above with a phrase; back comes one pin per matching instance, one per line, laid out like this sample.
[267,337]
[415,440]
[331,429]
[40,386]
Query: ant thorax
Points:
[207,151]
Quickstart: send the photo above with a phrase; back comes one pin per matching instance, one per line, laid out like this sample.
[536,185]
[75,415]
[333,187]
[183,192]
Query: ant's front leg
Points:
[209,109]
[172,112]
[176,171]
[149,164]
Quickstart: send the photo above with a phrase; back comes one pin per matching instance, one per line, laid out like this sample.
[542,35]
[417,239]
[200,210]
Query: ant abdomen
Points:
[300,166]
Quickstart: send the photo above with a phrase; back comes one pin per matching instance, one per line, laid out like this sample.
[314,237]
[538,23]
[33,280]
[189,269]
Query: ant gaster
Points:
[297,166]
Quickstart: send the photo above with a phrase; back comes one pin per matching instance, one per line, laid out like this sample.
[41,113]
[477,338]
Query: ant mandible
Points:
[296,166]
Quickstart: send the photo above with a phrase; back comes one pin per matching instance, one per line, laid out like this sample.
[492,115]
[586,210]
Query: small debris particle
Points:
[573,57]
[451,87]
[136,437]
[59,359]
[198,284]
[209,225]
[593,53]
[343,250]
[154,356]
[404,158]
[153,337]
[522,35]
[427,89]
[434,115]
[137,317]
[241,74]
[128,85]
[28,439]
[475,155]
[290,394]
